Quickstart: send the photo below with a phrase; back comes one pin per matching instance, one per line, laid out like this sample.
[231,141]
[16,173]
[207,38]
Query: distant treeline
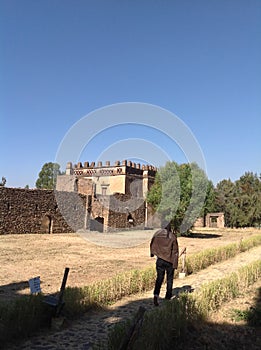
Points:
[240,200]
[182,192]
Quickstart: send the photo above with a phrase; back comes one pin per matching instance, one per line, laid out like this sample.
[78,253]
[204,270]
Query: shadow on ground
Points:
[12,290]
[203,235]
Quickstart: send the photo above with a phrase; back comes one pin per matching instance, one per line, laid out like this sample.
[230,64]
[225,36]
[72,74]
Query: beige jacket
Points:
[165,246]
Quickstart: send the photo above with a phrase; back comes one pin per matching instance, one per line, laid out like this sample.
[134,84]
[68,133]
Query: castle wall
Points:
[37,211]
[111,195]
[47,211]
[72,183]
[126,212]
[134,185]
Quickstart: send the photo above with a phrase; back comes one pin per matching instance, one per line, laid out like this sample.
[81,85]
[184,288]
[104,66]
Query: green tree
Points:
[48,176]
[248,200]
[224,198]
[164,194]
[240,201]
[210,200]
[178,194]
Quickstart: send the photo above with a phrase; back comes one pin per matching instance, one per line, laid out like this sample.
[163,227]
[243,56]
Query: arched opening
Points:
[47,224]
[130,220]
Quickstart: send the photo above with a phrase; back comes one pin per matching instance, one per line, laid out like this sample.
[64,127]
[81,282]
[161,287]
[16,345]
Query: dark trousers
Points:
[163,266]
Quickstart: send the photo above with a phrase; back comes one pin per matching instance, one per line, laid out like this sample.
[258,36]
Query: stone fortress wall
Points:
[112,197]
[36,211]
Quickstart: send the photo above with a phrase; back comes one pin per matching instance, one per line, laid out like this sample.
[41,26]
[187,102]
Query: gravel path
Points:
[93,326]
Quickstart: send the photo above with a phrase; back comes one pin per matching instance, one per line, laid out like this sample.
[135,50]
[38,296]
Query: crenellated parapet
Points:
[90,178]
[91,169]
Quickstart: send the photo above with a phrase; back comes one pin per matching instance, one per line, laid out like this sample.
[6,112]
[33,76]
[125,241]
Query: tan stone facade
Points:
[215,220]
[116,193]
[123,177]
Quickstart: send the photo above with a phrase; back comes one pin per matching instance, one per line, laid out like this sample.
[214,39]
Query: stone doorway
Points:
[47,224]
[213,221]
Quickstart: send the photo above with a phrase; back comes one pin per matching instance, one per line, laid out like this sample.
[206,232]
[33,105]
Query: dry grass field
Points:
[26,256]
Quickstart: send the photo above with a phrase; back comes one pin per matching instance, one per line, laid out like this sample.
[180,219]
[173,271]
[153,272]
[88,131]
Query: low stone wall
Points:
[37,211]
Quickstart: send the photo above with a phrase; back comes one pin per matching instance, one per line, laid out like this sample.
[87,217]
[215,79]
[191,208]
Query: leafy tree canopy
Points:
[48,176]
[240,201]
[179,194]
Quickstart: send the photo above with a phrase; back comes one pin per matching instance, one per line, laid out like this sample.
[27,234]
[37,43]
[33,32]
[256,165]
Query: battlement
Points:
[119,168]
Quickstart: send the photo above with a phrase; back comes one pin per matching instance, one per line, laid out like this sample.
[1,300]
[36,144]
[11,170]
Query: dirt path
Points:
[94,326]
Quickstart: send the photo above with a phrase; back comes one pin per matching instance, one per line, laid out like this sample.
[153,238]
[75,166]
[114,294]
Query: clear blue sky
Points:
[62,59]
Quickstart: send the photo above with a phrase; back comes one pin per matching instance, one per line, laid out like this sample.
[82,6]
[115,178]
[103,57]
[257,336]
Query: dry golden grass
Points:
[26,256]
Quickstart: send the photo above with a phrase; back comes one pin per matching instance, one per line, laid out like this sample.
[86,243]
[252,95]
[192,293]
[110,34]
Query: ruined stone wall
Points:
[215,220]
[37,211]
[113,195]
[100,209]
[126,212]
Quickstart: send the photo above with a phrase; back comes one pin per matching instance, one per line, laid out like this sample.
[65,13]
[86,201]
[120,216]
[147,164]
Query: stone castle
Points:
[94,197]
[115,193]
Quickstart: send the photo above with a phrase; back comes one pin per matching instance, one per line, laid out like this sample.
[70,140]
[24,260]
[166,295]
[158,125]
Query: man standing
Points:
[164,245]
